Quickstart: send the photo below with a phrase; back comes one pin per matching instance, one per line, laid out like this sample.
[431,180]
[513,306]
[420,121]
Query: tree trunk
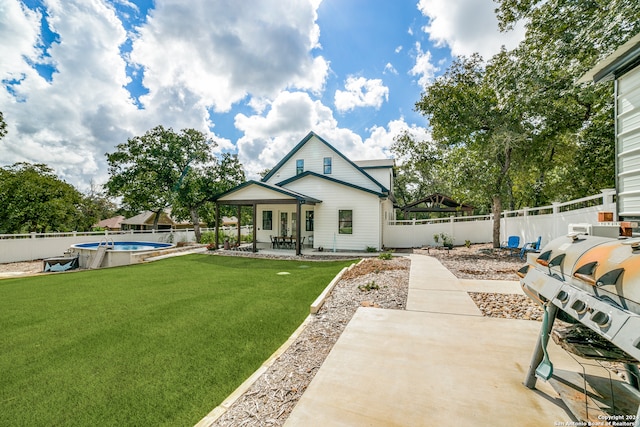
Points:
[156,219]
[496,209]
[195,219]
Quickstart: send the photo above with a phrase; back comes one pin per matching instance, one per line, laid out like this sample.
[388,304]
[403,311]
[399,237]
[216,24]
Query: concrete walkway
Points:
[437,363]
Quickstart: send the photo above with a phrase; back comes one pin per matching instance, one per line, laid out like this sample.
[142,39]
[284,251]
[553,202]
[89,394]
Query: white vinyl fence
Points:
[528,223]
[26,247]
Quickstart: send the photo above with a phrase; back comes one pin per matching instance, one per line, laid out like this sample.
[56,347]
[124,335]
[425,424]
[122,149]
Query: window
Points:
[327,165]
[309,221]
[345,222]
[267,217]
[299,166]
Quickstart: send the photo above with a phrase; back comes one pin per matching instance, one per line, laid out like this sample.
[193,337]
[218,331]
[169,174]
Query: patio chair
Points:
[512,244]
[531,247]
[274,242]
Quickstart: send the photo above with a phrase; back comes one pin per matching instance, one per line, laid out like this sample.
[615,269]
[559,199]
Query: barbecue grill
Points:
[591,282]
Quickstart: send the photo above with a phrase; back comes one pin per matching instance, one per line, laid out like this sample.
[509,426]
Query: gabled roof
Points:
[292,194]
[337,181]
[113,222]
[434,203]
[147,217]
[307,139]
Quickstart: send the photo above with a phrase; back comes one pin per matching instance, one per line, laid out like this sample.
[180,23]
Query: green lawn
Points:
[153,344]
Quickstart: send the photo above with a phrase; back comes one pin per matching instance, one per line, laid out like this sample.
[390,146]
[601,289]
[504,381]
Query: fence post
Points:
[608,204]
[452,228]
[555,214]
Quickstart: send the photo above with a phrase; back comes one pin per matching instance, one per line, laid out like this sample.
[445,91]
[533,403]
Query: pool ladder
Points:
[104,244]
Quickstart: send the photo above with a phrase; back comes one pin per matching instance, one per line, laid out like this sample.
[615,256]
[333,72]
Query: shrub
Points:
[385,255]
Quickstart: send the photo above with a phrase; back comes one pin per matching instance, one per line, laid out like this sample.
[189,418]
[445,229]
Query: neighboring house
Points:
[144,221]
[111,224]
[317,194]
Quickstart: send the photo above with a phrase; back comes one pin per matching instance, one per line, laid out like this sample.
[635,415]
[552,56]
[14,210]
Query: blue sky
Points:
[79,77]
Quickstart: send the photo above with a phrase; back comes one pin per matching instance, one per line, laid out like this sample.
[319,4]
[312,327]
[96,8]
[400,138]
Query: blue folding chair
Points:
[512,244]
[531,247]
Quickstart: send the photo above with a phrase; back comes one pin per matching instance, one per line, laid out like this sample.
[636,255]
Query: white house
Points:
[319,198]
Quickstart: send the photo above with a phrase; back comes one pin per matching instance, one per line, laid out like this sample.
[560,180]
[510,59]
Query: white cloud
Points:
[467,26]
[423,67]
[194,57]
[268,138]
[223,52]
[389,68]
[361,92]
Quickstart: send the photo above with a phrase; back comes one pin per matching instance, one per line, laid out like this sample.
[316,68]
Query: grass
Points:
[153,344]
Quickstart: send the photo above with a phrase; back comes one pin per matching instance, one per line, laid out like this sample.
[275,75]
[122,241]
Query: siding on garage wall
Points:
[628,144]
[366,209]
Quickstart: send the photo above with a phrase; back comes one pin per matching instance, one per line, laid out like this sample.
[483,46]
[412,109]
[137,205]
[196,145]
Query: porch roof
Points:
[254,192]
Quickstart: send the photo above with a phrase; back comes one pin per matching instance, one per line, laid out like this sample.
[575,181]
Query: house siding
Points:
[366,207]
[628,144]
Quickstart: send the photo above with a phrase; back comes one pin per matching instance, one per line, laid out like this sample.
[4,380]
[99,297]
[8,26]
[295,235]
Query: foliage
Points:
[3,126]
[163,168]
[33,199]
[517,130]
[126,345]
[447,240]
[147,171]
[385,256]
[369,286]
[371,249]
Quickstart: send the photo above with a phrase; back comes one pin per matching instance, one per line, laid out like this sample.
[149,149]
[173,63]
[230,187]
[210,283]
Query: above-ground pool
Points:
[125,246]
[116,253]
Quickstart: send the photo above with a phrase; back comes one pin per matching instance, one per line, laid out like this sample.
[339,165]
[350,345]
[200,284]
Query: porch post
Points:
[217,222]
[299,227]
[239,216]
[255,227]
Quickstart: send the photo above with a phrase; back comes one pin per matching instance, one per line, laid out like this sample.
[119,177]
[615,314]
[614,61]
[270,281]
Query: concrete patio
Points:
[440,362]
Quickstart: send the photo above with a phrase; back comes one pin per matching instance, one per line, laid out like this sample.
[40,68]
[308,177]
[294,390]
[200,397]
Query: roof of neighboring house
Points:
[435,203]
[147,217]
[113,222]
[625,58]
[229,220]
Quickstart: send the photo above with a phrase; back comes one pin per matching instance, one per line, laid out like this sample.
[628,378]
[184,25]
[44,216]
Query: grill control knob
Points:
[563,297]
[601,319]
[579,306]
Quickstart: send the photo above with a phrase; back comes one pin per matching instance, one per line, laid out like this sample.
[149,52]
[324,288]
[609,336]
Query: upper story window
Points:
[327,165]
[299,166]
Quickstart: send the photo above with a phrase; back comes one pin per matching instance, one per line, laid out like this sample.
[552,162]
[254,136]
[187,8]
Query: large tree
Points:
[199,186]
[33,199]
[148,171]
[518,128]
[482,135]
